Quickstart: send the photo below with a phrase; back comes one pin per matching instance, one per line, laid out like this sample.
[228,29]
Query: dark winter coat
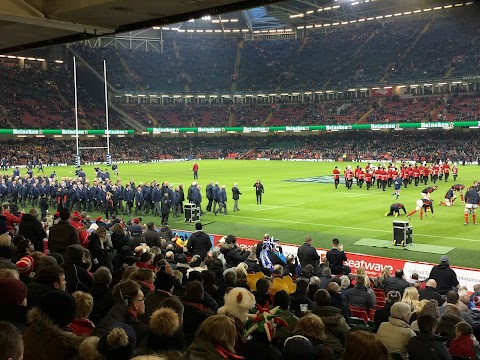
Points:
[193,315]
[120,314]
[296,299]
[62,235]
[32,229]
[396,283]
[336,327]
[199,243]
[427,346]
[232,256]
[203,349]
[15,315]
[430,293]
[445,277]
[152,303]
[259,348]
[166,233]
[359,297]
[35,290]
[308,255]
[100,256]
[102,302]
[152,238]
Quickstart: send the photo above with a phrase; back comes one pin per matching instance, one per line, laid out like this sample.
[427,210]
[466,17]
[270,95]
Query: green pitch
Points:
[300,199]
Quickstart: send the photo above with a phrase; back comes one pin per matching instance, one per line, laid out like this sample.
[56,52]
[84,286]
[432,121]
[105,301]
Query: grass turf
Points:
[292,209]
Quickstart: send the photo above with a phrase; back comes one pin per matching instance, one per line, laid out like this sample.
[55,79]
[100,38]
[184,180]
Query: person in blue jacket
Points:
[216,193]
[128,195]
[222,200]
[139,201]
[156,198]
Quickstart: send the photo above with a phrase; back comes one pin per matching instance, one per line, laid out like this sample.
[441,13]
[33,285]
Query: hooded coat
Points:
[78,279]
[445,277]
[32,229]
[336,327]
[62,235]
[43,340]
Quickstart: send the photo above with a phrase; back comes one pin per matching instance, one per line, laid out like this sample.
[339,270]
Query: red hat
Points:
[56,215]
[25,265]
[99,218]
[76,216]
[136,221]
[13,292]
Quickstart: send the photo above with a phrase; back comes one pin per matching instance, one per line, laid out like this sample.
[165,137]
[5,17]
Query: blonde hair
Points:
[9,274]
[155,250]
[84,304]
[219,330]
[410,297]
[311,326]
[361,272]
[88,349]
[420,305]
[386,273]
[5,240]
[129,272]
[178,275]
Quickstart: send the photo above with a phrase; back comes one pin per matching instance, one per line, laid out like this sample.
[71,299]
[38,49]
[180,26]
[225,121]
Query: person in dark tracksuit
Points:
[259,190]
[209,193]
[222,200]
[129,196]
[139,201]
[165,208]
[215,194]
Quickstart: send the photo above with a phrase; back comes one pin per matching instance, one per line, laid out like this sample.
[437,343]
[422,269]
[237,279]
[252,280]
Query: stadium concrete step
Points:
[294,61]
[236,68]
[151,117]
[364,117]
[267,119]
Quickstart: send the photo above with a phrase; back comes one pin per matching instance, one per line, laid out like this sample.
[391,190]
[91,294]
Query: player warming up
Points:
[427,191]
[395,210]
[449,197]
[422,205]
[397,183]
[472,199]
[459,188]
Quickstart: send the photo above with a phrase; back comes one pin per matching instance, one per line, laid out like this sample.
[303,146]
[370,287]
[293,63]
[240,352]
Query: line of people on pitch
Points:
[216,196]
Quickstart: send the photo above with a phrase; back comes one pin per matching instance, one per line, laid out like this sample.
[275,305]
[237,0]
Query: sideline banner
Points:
[372,264]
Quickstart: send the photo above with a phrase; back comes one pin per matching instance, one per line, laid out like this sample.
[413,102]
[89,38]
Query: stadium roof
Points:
[28,24]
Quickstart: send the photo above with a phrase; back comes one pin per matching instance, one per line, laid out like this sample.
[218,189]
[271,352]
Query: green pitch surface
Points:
[300,199]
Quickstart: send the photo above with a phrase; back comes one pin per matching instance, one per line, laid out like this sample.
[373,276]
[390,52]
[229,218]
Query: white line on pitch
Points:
[357,195]
[278,207]
[350,227]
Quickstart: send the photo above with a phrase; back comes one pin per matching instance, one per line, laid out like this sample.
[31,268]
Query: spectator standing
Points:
[445,277]
[199,242]
[62,234]
[31,228]
[307,254]
[151,236]
[336,257]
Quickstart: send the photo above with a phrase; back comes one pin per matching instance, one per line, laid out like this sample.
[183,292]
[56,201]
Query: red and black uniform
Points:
[361,177]
[349,178]
[336,176]
[416,175]
[425,173]
[459,188]
[429,190]
[384,175]
[405,177]
[410,174]
[389,177]
[446,171]
[378,177]
[435,171]
[368,179]
[395,209]
[356,172]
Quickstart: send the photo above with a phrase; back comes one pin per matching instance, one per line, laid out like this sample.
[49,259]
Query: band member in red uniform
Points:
[390,176]
[378,176]
[422,205]
[472,200]
[435,171]
[384,175]
[395,210]
[349,178]
[416,175]
[361,177]
[355,173]
[368,179]
[446,171]
[336,176]
[425,173]
[454,171]
[410,174]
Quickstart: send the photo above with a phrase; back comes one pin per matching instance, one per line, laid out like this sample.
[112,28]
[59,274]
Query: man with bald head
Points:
[430,292]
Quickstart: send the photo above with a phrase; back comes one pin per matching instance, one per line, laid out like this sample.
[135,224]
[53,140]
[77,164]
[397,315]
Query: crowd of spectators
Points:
[411,146]
[116,289]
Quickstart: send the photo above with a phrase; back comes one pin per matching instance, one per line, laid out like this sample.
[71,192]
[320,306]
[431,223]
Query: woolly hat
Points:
[76,216]
[298,347]
[163,322]
[59,306]
[198,226]
[13,292]
[444,259]
[238,303]
[25,265]
[75,253]
[393,296]
[164,281]
[264,322]
[118,343]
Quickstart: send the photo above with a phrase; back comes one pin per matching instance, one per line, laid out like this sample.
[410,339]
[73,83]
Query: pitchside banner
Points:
[372,264]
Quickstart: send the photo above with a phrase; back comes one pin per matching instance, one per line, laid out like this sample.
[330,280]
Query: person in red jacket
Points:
[361,177]
[455,171]
[462,345]
[368,179]
[11,219]
[416,175]
[446,171]
[425,173]
[195,170]
[435,171]
[336,176]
